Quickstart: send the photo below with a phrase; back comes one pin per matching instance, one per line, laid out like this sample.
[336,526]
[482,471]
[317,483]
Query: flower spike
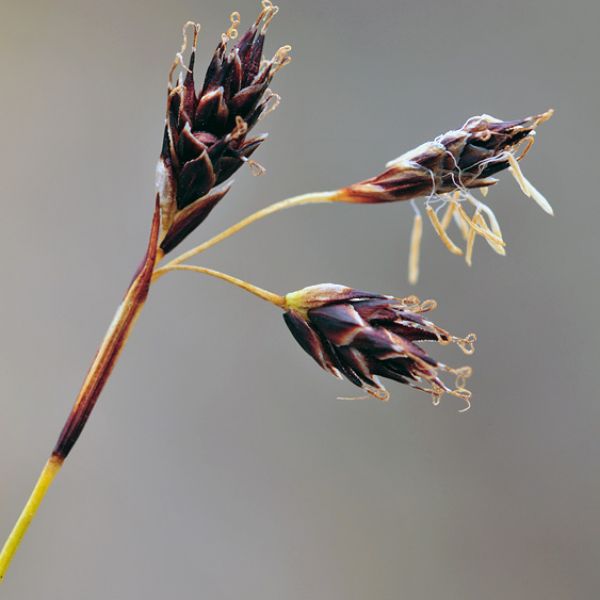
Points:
[446,169]
[363,336]
[206,131]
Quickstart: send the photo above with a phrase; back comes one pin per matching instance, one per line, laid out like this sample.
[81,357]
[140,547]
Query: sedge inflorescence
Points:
[364,336]
[359,336]
[446,171]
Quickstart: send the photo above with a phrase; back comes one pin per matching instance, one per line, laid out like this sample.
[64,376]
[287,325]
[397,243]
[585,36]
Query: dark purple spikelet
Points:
[206,138]
[460,159]
[363,336]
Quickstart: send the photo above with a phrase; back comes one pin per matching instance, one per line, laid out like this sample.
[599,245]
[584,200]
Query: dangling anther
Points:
[490,238]
[235,18]
[415,247]
[470,244]
[526,186]
[515,169]
[448,215]
[450,245]
[480,230]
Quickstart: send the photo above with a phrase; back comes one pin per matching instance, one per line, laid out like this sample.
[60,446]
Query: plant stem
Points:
[104,362]
[313,198]
[275,299]
[46,478]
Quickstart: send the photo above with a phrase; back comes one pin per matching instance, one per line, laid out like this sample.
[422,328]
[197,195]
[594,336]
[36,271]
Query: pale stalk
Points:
[44,481]
[275,299]
[313,198]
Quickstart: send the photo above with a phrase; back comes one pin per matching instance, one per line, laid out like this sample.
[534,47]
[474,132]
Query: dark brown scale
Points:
[366,335]
[252,63]
[463,158]
[205,135]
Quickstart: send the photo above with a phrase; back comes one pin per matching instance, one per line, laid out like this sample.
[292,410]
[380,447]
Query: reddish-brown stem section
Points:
[111,347]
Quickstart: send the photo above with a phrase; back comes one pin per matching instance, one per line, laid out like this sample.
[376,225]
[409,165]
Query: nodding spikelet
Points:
[446,170]
[206,136]
[363,337]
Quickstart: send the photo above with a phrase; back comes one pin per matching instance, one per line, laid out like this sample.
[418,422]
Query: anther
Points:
[450,245]
[415,249]
[448,215]
[526,186]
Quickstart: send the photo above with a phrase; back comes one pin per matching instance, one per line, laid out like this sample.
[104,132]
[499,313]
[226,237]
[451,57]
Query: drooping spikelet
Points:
[364,336]
[445,170]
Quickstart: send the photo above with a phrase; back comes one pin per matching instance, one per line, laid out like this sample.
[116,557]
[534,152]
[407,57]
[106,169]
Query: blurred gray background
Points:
[219,463]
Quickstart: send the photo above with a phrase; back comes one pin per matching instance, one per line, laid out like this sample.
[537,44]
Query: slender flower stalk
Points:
[302,200]
[362,336]
[274,299]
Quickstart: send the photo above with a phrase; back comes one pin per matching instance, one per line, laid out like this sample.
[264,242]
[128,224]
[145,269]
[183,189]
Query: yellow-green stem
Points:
[275,299]
[44,481]
[101,369]
[313,198]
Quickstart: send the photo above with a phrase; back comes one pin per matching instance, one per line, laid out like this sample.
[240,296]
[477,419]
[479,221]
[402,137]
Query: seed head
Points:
[464,158]
[206,130]
[364,336]
[445,170]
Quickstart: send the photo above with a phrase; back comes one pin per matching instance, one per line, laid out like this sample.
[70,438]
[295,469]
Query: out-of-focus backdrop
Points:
[219,463]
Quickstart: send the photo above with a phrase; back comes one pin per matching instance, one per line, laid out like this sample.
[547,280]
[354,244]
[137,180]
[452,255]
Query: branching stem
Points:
[116,338]
[313,198]
[275,299]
